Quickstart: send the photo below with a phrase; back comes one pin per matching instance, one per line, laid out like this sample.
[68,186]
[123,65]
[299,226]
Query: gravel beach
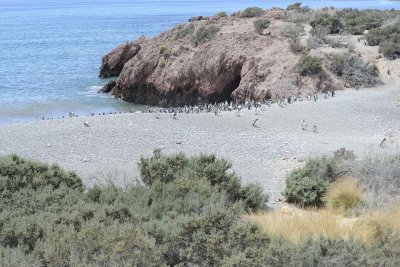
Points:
[109,149]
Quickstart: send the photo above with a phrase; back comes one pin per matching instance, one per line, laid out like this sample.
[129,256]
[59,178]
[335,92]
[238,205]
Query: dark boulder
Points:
[107,88]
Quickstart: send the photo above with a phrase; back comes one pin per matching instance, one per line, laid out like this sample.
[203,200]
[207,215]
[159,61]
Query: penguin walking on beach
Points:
[382,143]
[254,123]
[303,125]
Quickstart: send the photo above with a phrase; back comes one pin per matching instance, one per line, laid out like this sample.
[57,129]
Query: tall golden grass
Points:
[343,195]
[297,225]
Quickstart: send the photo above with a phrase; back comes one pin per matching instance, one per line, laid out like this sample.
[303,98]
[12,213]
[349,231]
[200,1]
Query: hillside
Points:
[254,54]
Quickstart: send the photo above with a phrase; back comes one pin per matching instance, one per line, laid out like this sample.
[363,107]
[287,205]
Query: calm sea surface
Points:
[50,50]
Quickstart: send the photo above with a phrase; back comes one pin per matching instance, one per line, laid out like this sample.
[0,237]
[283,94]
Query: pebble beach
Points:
[108,148]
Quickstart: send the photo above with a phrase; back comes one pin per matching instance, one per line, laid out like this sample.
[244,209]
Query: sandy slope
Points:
[112,145]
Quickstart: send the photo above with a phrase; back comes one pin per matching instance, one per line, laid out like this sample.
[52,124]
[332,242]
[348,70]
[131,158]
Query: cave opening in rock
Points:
[226,93]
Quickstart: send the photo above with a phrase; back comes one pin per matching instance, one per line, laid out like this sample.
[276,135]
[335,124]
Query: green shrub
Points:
[294,6]
[181,31]
[309,65]
[186,203]
[331,23]
[305,190]
[306,186]
[353,70]
[162,62]
[222,14]
[180,170]
[203,34]
[261,24]
[17,173]
[357,21]
[165,51]
[251,12]
[184,219]
[391,48]
[298,7]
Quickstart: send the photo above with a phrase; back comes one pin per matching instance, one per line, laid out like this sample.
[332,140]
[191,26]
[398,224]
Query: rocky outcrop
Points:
[108,87]
[113,63]
[235,63]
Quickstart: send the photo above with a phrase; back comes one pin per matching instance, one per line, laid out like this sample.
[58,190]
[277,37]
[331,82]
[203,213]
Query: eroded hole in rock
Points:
[226,93]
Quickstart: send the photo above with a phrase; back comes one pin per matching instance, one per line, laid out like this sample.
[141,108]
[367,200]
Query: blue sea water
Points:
[50,50]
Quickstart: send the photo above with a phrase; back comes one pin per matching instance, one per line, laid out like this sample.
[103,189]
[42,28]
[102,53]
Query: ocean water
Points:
[50,50]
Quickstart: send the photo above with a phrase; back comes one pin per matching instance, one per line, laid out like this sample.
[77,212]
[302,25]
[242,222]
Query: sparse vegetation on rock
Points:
[203,33]
[182,31]
[260,25]
[309,65]
[292,31]
[222,14]
[215,56]
[251,12]
[353,70]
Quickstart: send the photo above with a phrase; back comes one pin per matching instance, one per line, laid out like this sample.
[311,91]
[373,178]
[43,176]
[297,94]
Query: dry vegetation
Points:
[362,207]
[298,225]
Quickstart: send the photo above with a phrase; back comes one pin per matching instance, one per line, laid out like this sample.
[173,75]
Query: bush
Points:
[251,12]
[314,42]
[332,24]
[380,176]
[391,48]
[343,195]
[357,21]
[353,70]
[187,218]
[292,31]
[162,62]
[305,190]
[222,14]
[296,47]
[17,174]
[187,213]
[297,7]
[165,51]
[376,36]
[202,34]
[309,65]
[181,31]
[261,24]
[388,38]
[306,186]
[167,169]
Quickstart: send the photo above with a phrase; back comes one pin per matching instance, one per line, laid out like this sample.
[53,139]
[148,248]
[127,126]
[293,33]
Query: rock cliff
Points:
[210,60]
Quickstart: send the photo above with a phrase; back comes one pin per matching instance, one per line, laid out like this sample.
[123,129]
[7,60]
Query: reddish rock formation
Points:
[181,66]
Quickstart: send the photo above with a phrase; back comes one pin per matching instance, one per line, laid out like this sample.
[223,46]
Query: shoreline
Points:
[112,144]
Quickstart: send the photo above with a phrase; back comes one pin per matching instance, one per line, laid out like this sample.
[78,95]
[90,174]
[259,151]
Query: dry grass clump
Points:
[375,225]
[343,195]
[298,225]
